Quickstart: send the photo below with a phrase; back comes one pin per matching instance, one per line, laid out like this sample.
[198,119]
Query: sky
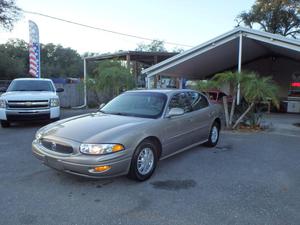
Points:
[188,22]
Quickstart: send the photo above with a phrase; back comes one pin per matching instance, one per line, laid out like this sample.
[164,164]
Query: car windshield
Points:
[31,85]
[139,104]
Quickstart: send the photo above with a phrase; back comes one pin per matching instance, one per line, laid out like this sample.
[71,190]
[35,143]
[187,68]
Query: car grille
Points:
[53,146]
[31,104]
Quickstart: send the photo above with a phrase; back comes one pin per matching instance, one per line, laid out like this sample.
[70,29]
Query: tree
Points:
[257,89]
[274,16]
[58,61]
[206,85]
[254,89]
[9,13]
[154,46]
[91,65]
[13,59]
[233,79]
[110,78]
[177,49]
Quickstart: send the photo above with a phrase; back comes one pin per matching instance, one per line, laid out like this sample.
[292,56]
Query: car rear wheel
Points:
[4,123]
[213,135]
[144,161]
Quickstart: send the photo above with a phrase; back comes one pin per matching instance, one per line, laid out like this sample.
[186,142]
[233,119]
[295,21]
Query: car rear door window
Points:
[197,100]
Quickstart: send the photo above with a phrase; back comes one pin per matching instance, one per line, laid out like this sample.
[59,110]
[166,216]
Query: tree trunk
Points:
[225,104]
[232,109]
[243,115]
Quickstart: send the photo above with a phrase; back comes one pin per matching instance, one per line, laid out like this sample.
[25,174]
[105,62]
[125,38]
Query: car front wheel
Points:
[144,161]
[213,135]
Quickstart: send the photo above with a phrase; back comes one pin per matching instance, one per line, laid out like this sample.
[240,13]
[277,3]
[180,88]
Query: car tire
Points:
[139,169]
[4,123]
[213,135]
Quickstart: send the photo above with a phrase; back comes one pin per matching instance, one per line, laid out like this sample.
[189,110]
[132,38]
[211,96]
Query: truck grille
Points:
[28,117]
[31,104]
[53,146]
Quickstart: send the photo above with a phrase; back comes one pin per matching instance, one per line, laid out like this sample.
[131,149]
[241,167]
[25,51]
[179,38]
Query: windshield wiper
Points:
[101,111]
[119,113]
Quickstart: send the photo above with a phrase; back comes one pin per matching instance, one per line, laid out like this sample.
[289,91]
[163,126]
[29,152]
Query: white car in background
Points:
[29,99]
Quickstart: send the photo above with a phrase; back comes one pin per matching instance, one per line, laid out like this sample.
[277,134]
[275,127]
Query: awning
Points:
[148,58]
[222,53]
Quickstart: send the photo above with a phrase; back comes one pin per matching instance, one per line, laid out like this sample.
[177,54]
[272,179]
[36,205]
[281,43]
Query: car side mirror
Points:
[59,89]
[175,112]
[101,106]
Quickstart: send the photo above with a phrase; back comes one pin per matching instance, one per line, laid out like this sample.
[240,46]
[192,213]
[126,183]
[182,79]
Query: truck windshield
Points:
[31,85]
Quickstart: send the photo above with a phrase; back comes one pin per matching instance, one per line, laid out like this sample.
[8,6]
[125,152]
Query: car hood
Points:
[29,95]
[92,128]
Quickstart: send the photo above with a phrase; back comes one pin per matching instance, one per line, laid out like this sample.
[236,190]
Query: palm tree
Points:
[206,85]
[257,89]
[233,79]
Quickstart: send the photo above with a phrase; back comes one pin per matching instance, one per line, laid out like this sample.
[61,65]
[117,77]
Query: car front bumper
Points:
[82,165]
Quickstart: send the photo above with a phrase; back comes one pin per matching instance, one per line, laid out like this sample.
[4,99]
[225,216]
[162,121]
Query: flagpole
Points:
[40,75]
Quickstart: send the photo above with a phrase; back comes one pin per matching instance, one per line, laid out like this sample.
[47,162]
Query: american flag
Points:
[34,50]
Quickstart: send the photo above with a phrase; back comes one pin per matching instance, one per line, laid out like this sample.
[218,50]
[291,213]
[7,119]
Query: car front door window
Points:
[197,100]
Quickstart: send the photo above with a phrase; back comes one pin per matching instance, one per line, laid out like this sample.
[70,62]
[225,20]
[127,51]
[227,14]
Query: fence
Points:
[72,95]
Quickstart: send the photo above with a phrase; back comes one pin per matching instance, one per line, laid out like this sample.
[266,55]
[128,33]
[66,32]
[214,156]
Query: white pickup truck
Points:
[29,99]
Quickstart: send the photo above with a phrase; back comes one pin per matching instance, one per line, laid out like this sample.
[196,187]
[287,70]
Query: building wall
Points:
[281,69]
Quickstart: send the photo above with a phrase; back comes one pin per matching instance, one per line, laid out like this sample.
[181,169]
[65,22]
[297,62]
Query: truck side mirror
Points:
[59,89]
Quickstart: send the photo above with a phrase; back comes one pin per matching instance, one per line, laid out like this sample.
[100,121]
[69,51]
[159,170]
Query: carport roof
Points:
[221,54]
[140,56]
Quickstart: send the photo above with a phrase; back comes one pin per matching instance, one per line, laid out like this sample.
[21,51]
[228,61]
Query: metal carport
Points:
[234,50]
[144,58]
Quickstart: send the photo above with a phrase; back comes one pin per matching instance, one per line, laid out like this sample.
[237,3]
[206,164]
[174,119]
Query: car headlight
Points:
[100,149]
[2,103]
[54,102]
[38,135]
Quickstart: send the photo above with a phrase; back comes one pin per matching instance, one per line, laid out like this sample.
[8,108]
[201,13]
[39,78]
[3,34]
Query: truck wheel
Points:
[4,123]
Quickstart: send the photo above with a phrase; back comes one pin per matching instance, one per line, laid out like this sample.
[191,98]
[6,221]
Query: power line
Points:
[101,29]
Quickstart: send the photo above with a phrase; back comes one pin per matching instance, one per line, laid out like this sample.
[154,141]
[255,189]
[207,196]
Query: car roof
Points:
[32,79]
[163,91]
